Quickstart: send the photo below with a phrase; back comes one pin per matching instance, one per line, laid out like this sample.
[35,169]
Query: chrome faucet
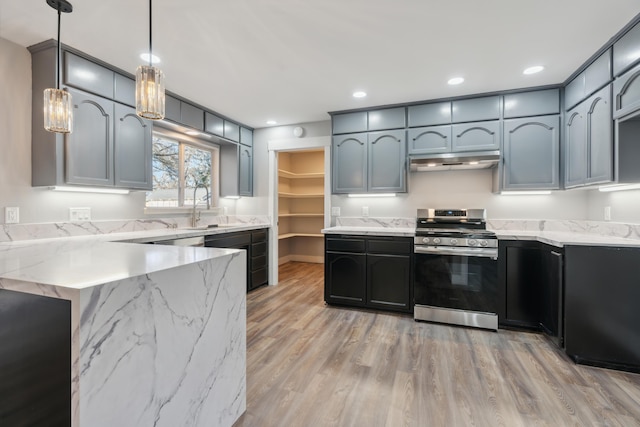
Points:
[194,218]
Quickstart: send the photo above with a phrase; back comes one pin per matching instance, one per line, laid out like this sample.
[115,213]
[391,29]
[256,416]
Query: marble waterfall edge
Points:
[165,349]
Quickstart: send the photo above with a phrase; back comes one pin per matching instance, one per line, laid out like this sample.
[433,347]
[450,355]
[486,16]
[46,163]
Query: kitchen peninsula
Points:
[158,333]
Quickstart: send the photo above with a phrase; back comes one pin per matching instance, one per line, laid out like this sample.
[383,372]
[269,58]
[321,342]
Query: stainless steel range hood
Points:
[454,161]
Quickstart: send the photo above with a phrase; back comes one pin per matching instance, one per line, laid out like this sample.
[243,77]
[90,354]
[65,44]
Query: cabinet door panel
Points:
[522,293]
[574,92]
[246,171]
[231,131]
[625,51]
[192,116]
[345,278]
[87,75]
[476,136]
[391,118]
[246,137]
[535,103]
[172,108]
[387,161]
[133,149]
[626,90]
[476,109]
[438,113]
[214,124]
[349,123]
[598,74]
[600,137]
[531,153]
[125,90]
[89,148]
[432,139]
[349,163]
[575,148]
[389,282]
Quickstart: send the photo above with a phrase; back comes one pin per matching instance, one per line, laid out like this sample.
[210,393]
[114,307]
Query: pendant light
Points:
[150,86]
[58,111]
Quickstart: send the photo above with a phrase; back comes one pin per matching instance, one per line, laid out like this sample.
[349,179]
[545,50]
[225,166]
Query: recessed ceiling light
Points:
[145,58]
[533,70]
[271,122]
[455,81]
[359,94]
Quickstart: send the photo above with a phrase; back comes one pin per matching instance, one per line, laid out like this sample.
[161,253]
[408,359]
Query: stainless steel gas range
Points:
[456,264]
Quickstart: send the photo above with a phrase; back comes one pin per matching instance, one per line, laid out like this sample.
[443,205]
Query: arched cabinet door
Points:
[349,163]
[133,149]
[246,170]
[387,161]
[345,278]
[89,147]
[626,90]
[575,167]
[531,153]
[429,140]
[478,136]
[599,137]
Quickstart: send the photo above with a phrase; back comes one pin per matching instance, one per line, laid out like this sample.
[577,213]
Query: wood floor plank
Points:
[309,364]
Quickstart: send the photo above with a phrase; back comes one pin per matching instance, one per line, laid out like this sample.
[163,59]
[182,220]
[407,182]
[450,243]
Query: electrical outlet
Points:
[79,214]
[335,211]
[365,211]
[11,215]
[607,213]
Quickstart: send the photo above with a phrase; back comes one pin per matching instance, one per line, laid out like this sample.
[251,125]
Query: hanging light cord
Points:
[150,43]
[59,49]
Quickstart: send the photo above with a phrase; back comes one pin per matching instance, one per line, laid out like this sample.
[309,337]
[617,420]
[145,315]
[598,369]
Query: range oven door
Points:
[456,278]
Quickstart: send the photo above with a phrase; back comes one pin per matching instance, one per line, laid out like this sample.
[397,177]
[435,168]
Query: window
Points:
[178,168]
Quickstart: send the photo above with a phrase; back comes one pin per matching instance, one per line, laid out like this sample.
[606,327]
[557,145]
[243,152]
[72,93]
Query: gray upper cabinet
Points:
[626,51]
[574,92]
[125,90]
[133,149]
[430,139]
[88,76]
[349,122]
[89,147]
[246,170]
[536,103]
[438,113]
[191,116]
[213,124]
[588,141]
[172,108]
[349,163]
[390,118]
[476,109]
[387,159]
[626,90]
[594,77]
[531,153]
[246,136]
[231,131]
[479,136]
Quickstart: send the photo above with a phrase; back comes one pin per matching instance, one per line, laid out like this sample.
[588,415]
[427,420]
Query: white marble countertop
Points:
[373,231]
[565,238]
[85,261]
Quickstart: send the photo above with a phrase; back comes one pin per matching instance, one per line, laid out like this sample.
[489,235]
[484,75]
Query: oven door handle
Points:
[439,250]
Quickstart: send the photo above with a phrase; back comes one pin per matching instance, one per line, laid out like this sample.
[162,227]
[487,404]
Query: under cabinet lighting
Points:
[90,190]
[618,187]
[525,193]
[231,197]
[373,195]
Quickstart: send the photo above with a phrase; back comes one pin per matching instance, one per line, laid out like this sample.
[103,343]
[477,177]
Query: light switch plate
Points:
[12,215]
[79,214]
[335,211]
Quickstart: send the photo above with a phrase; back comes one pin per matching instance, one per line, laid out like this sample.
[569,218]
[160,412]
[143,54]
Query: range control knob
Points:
[436,240]
[425,240]
[453,241]
[472,242]
[483,243]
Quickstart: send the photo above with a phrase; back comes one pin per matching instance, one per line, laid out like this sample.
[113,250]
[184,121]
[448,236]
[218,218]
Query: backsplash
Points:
[15,232]
[375,222]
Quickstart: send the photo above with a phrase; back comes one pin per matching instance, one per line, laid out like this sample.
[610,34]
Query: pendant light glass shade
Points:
[58,108]
[150,92]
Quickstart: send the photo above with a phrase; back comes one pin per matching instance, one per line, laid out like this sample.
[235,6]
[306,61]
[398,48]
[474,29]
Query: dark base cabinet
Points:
[372,272]
[35,360]
[530,276]
[602,314]
[256,244]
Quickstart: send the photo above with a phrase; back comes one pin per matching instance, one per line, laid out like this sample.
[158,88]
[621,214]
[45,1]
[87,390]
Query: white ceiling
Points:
[294,60]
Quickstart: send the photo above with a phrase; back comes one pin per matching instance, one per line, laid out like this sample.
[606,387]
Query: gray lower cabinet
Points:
[478,136]
[429,140]
[132,149]
[588,141]
[531,153]
[369,162]
[246,170]
[89,147]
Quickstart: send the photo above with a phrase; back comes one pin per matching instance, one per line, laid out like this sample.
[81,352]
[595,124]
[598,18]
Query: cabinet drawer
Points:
[258,262]
[125,90]
[390,118]
[345,245]
[349,123]
[476,109]
[259,249]
[84,74]
[258,278]
[534,103]
[395,246]
[438,113]
[228,240]
[259,236]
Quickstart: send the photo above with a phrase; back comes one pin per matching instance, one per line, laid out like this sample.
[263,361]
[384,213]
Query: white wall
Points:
[39,204]
[625,206]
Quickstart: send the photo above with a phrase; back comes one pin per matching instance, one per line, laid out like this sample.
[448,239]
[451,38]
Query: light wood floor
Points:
[309,364]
